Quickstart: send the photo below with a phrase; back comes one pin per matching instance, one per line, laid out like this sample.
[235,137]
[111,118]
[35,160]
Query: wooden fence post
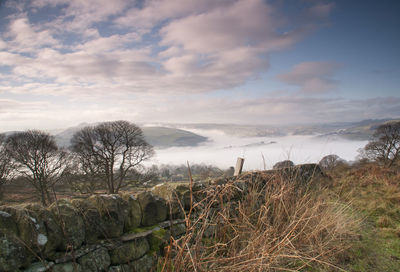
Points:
[239,166]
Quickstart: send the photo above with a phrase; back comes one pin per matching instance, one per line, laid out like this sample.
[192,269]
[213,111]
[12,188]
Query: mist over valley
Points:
[222,150]
[260,145]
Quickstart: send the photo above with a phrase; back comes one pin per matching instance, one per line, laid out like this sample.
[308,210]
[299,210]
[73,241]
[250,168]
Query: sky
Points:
[64,62]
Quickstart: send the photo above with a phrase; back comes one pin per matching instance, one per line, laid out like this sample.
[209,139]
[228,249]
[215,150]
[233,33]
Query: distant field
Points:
[167,137]
[22,192]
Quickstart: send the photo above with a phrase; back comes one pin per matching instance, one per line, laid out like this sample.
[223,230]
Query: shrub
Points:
[274,226]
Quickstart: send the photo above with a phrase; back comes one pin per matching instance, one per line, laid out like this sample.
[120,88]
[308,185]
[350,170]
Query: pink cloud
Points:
[26,38]
[194,46]
[311,77]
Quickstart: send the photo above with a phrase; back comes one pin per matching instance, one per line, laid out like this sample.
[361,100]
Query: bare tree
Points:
[283,164]
[6,164]
[109,150]
[37,159]
[331,161]
[385,144]
[83,176]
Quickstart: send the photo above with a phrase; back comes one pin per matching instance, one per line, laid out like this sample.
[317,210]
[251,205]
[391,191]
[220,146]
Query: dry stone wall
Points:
[112,232]
[101,233]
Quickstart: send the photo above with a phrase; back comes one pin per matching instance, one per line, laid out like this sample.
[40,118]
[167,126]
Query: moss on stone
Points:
[129,251]
[157,237]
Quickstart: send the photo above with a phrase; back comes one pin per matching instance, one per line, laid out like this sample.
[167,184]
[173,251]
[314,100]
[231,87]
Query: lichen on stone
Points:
[37,226]
[42,239]
[4,214]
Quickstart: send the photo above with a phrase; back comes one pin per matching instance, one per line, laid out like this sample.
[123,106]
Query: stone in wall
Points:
[129,251]
[144,264]
[94,229]
[7,220]
[134,218]
[175,206]
[178,230]
[67,267]
[29,229]
[13,253]
[98,260]
[41,266]
[71,223]
[184,191]
[114,213]
[121,268]
[53,233]
[154,209]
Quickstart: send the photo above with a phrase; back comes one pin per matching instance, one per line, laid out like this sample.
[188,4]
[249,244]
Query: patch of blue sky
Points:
[22,80]
[106,28]
[68,40]
[45,14]
[5,14]
[6,70]
[362,41]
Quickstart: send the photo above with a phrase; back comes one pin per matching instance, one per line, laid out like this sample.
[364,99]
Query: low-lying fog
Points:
[222,150]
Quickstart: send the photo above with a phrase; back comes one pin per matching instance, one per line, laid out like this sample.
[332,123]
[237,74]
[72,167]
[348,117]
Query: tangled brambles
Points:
[269,225]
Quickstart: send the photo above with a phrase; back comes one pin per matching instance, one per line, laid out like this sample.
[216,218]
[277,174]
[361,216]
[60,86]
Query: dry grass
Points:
[374,194]
[275,227]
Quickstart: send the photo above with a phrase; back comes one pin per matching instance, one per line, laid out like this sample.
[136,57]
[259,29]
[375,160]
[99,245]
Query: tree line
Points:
[104,153]
[110,152]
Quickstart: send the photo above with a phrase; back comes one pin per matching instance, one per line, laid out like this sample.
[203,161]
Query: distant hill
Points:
[168,137]
[63,138]
[359,131]
[238,130]
[162,137]
[347,130]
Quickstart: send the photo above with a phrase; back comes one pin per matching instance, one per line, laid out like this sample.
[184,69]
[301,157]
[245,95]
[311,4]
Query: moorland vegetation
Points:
[349,222]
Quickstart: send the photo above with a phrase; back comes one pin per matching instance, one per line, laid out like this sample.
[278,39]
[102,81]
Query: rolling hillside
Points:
[161,137]
[359,131]
[168,137]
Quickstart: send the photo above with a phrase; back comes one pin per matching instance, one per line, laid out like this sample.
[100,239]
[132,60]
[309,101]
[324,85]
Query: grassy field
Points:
[374,195]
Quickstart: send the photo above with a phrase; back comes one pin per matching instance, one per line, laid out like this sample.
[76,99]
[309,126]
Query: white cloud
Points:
[160,60]
[189,109]
[190,46]
[105,45]
[26,38]
[321,10]
[155,11]
[311,77]
[84,13]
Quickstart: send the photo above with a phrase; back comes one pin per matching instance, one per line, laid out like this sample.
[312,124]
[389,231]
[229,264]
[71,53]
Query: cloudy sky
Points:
[63,62]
